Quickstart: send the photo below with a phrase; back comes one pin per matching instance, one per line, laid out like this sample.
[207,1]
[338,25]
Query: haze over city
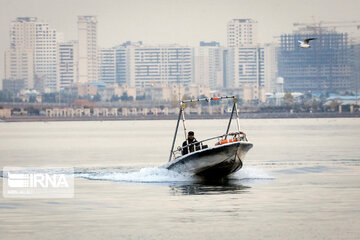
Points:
[168,21]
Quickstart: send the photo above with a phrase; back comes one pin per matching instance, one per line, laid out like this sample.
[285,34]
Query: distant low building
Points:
[82,103]
[124,92]
[252,93]
[86,89]
[164,92]
[13,85]
[175,92]
[196,91]
[27,95]
[5,112]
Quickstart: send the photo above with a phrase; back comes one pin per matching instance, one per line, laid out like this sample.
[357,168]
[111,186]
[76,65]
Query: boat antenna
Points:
[182,106]
[183,121]
[234,109]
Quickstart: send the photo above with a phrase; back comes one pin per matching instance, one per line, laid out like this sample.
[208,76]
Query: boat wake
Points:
[163,175]
[251,173]
[147,174]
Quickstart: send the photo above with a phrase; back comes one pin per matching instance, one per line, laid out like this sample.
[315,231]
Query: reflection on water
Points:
[207,187]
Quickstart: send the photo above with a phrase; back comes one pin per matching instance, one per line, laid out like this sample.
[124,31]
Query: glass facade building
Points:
[324,67]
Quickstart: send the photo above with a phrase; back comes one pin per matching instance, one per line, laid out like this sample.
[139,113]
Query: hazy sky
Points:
[173,21]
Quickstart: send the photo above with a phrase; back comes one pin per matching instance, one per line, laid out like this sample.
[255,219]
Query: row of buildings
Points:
[40,59]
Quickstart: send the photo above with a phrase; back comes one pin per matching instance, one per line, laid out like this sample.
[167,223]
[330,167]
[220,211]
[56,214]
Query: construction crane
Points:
[329,24]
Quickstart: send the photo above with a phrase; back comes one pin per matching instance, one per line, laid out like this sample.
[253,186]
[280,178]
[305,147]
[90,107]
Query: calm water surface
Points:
[301,180]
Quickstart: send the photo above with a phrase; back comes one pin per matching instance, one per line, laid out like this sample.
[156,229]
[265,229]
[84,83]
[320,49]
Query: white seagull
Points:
[305,43]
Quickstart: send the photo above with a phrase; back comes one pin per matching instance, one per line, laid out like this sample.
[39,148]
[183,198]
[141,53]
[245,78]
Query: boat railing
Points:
[181,116]
[222,139]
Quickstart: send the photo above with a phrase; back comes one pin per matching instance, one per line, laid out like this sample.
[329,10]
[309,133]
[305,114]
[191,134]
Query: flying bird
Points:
[305,43]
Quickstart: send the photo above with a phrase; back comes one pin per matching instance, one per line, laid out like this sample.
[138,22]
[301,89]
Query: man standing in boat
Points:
[191,139]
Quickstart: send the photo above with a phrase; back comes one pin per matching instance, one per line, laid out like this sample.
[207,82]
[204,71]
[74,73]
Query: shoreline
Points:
[194,117]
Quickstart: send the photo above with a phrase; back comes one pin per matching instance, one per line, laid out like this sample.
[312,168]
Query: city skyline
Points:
[182,22]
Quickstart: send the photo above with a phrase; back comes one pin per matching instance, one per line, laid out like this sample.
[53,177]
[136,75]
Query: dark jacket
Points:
[192,147]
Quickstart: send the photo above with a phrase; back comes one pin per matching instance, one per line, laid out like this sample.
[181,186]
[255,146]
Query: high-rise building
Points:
[32,39]
[122,53]
[46,56]
[246,66]
[67,64]
[19,64]
[325,67]
[244,58]
[270,63]
[167,64]
[87,40]
[107,65]
[241,32]
[227,79]
[121,64]
[355,67]
[208,65]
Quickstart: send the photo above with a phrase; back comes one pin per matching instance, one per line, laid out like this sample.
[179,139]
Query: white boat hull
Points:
[214,162]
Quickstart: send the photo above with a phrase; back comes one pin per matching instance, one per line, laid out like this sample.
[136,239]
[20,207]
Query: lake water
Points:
[301,180]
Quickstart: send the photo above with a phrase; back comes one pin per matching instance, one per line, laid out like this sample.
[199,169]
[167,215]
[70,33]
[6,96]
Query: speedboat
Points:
[221,158]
